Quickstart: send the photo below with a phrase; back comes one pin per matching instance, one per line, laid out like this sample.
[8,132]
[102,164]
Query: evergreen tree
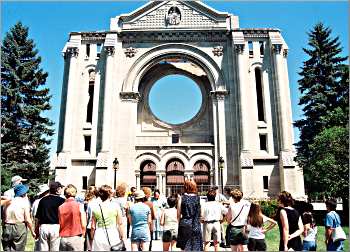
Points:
[25,132]
[324,88]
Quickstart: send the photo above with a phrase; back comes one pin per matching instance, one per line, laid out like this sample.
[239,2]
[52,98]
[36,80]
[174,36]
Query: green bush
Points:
[269,207]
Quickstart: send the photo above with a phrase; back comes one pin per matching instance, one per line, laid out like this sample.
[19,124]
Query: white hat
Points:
[43,188]
[16,179]
[139,194]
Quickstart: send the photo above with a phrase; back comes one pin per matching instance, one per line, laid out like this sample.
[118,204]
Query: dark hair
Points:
[286,198]
[255,216]
[140,200]
[331,204]
[190,186]
[132,188]
[211,195]
[105,192]
[172,201]
[156,191]
[236,194]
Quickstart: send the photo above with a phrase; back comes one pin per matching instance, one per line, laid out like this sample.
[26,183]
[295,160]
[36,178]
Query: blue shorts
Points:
[140,235]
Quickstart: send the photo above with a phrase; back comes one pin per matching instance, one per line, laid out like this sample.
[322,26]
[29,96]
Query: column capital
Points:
[130,96]
[110,50]
[239,48]
[130,52]
[276,48]
[219,94]
[71,52]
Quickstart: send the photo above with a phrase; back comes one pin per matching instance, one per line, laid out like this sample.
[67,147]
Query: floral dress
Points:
[190,233]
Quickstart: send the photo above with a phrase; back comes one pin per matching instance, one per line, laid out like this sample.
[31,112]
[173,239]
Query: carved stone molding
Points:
[285,53]
[102,160]
[287,159]
[71,52]
[219,94]
[218,51]
[239,48]
[130,96]
[63,160]
[246,160]
[110,50]
[130,52]
[277,48]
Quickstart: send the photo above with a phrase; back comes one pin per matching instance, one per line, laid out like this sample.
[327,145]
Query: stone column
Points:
[246,159]
[164,183]
[281,86]
[107,105]
[138,181]
[72,56]
[215,126]
[219,98]
[104,158]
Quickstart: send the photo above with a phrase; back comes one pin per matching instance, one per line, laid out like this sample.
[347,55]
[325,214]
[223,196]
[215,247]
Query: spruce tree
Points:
[25,131]
[324,97]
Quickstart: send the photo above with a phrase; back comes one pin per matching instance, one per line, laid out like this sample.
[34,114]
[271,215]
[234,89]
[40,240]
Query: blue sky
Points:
[50,23]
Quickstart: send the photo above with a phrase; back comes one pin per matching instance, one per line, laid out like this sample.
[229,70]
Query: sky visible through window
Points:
[175,99]
[51,22]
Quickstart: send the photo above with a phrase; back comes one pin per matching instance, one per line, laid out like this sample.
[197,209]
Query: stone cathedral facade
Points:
[242,136]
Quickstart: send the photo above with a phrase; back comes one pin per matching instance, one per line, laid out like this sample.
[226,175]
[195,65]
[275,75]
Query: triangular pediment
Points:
[157,15]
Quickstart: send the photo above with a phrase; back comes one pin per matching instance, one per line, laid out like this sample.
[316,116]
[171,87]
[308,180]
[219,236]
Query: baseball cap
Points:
[54,185]
[16,179]
[20,190]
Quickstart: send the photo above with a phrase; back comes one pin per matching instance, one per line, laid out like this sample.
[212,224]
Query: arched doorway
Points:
[175,171]
[202,175]
[148,174]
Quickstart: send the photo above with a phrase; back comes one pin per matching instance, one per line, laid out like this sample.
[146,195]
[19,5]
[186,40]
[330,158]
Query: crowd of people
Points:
[105,218]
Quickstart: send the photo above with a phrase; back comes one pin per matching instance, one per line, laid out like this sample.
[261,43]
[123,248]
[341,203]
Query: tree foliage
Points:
[324,88]
[25,131]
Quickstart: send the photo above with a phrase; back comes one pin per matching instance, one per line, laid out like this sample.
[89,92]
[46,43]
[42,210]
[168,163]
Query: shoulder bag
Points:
[117,247]
[338,233]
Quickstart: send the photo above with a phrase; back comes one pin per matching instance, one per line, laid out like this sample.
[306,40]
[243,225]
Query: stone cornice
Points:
[276,48]
[219,94]
[110,50]
[71,52]
[144,36]
[130,96]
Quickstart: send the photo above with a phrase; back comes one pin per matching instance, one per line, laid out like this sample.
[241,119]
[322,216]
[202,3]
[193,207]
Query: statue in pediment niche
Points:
[174,16]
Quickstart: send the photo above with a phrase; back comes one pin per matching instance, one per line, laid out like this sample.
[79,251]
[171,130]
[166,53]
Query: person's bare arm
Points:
[285,228]
[272,224]
[306,229]
[28,221]
[162,219]
[93,227]
[120,225]
[179,209]
[328,234]
[83,221]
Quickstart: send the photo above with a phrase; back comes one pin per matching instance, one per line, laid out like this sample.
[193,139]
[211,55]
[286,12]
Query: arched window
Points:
[201,172]
[148,174]
[175,176]
[91,97]
[259,94]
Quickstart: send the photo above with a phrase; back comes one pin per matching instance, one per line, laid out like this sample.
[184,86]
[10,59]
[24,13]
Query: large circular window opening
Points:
[175,99]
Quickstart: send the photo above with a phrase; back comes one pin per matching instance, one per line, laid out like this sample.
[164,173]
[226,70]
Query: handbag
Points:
[238,234]
[338,233]
[120,246]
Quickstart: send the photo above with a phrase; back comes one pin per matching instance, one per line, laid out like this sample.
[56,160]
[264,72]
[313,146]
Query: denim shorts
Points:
[237,236]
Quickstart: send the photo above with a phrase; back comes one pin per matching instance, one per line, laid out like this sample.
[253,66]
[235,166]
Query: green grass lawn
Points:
[272,240]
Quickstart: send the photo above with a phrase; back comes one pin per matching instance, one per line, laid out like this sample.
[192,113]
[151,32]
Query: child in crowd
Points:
[169,222]
[256,228]
[310,232]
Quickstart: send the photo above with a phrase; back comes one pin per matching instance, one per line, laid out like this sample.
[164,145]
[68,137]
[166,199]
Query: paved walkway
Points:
[157,245]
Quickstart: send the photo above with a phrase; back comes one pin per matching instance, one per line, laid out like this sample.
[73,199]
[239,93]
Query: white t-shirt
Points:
[170,219]
[236,208]
[311,234]
[256,232]
[213,211]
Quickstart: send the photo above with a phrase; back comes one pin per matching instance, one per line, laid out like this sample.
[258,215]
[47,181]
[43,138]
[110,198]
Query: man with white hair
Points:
[15,180]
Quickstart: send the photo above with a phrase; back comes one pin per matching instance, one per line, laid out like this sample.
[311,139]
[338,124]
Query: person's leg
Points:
[134,246]
[7,237]
[144,246]
[206,245]
[173,245]
[234,248]
[260,245]
[166,246]
[43,237]
[216,245]
[54,237]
